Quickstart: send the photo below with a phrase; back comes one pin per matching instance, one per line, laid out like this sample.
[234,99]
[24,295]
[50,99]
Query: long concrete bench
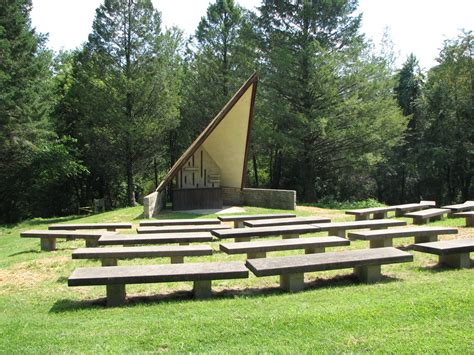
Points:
[244,234]
[365,213]
[48,237]
[469,216]
[110,256]
[156,238]
[116,277]
[400,210]
[179,222]
[425,216]
[285,221]
[340,228]
[182,229]
[259,249]
[366,263]
[77,226]
[460,207]
[454,253]
[384,238]
[239,220]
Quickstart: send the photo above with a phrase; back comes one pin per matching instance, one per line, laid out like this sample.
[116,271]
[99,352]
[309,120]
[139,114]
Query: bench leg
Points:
[291,236]
[426,238]
[184,243]
[398,213]
[470,221]
[109,261]
[381,243]
[238,224]
[419,220]
[202,289]
[380,215]
[340,233]
[48,244]
[177,259]
[92,243]
[292,282]
[243,239]
[368,273]
[257,255]
[111,229]
[458,261]
[361,217]
[314,250]
[115,295]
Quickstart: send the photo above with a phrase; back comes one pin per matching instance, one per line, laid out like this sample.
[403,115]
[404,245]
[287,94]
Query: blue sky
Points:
[418,26]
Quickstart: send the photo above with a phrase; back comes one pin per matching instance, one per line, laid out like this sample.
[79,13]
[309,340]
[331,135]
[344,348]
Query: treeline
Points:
[333,119]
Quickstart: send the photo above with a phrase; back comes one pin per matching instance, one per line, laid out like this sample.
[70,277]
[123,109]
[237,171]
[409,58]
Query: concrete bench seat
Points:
[468,215]
[400,210]
[244,234]
[285,221]
[384,238]
[181,229]
[77,226]
[454,253]
[48,237]
[156,238]
[340,228]
[259,249]
[239,220]
[460,207]
[425,216]
[116,277]
[366,263]
[110,256]
[179,222]
[365,213]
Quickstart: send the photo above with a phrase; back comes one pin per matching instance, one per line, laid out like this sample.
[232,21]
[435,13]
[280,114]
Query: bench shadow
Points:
[34,251]
[436,268]
[67,305]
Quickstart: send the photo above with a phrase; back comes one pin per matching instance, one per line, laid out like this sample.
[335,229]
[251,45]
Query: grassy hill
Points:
[418,307]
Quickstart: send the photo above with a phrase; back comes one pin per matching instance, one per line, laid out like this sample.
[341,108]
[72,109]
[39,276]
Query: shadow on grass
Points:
[30,251]
[436,268]
[343,281]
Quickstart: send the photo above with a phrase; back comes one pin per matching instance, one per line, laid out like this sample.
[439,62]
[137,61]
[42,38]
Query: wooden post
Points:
[291,236]
[256,255]
[458,261]
[314,250]
[202,289]
[292,282]
[177,259]
[109,261]
[48,244]
[368,273]
[381,243]
[426,238]
[115,295]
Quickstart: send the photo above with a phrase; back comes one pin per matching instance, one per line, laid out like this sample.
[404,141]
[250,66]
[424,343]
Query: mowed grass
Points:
[418,307]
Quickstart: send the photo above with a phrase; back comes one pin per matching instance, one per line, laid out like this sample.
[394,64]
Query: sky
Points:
[414,26]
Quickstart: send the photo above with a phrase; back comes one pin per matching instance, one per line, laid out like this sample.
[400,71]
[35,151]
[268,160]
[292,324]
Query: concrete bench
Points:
[285,221]
[384,238]
[454,253]
[425,216]
[239,220]
[108,226]
[48,237]
[181,229]
[400,210]
[244,234]
[366,263]
[259,249]
[156,238]
[460,207]
[365,213]
[469,215]
[340,228]
[179,222]
[110,256]
[116,277]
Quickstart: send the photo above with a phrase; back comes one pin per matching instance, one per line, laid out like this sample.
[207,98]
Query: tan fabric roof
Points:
[226,138]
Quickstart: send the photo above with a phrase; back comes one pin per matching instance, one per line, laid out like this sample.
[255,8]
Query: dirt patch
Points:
[323,212]
[27,275]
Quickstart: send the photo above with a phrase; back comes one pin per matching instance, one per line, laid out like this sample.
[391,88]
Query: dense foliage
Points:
[332,121]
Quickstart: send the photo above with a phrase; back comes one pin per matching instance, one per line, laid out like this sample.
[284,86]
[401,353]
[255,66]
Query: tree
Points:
[328,100]
[126,91]
[32,158]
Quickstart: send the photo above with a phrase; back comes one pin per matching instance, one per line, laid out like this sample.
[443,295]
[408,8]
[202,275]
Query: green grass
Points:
[418,307]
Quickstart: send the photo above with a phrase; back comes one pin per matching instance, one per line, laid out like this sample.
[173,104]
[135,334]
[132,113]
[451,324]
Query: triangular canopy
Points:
[225,139]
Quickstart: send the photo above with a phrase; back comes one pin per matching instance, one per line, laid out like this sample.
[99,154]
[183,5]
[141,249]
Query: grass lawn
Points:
[418,307]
